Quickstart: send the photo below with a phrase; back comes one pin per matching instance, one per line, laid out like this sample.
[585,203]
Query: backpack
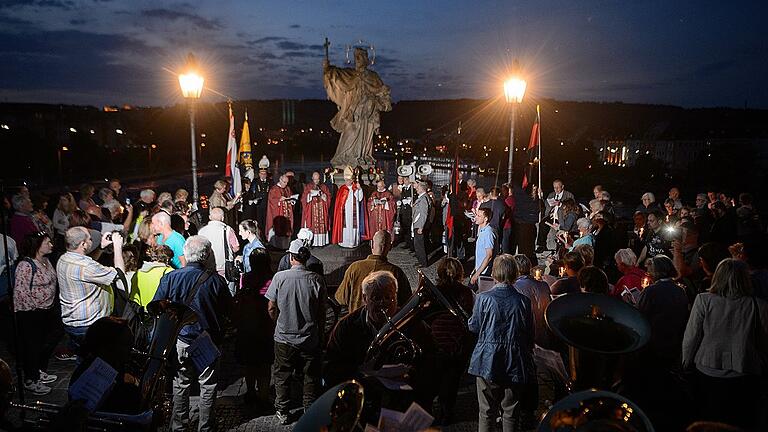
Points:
[123,307]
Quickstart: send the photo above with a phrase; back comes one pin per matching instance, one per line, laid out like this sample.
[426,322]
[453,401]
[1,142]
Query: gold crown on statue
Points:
[263,163]
[349,173]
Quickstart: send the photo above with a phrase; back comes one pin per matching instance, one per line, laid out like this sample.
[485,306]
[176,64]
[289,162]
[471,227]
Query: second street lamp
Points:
[514,90]
[191,83]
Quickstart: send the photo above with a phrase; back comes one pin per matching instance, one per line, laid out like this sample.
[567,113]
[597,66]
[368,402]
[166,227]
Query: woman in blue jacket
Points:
[503,357]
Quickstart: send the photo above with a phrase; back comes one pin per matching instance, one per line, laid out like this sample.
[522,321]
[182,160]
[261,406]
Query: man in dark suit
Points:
[552,215]
[422,222]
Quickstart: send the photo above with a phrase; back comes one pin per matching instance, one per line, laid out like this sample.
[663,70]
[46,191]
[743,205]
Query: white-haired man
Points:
[165,235]
[633,276]
[206,293]
[83,282]
[223,242]
[353,334]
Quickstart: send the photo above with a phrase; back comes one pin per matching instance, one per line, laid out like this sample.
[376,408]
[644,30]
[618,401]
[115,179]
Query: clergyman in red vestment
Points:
[315,202]
[381,209]
[279,210]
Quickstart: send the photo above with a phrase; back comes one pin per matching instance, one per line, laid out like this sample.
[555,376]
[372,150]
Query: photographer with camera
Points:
[84,284]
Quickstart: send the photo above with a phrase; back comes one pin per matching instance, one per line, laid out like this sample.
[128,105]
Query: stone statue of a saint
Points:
[360,95]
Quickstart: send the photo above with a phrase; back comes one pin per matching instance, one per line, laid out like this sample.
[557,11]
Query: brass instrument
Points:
[155,405]
[391,345]
[598,330]
[595,410]
[337,410]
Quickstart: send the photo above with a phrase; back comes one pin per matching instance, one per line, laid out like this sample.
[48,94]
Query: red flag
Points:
[534,135]
[532,144]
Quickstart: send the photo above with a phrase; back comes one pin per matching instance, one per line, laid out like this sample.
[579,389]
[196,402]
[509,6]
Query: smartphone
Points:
[127,201]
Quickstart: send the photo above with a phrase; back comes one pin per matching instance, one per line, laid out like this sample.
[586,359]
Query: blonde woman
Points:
[725,342]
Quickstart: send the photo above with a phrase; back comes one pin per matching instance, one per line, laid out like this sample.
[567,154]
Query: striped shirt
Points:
[84,289]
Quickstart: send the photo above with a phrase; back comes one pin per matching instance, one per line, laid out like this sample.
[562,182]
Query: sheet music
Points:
[389,420]
[416,418]
[202,351]
[94,384]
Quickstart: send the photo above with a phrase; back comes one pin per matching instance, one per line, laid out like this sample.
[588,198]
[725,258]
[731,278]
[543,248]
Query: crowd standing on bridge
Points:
[698,272]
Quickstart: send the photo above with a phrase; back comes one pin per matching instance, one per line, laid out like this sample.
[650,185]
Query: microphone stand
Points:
[17,342]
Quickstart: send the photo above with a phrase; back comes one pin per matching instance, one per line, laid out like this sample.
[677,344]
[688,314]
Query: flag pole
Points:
[538,118]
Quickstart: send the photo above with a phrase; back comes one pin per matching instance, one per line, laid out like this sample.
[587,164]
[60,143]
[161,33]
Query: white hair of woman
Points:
[626,257]
[648,195]
[197,249]
[583,224]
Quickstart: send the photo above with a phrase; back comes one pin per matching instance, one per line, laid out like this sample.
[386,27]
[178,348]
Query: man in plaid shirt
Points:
[84,284]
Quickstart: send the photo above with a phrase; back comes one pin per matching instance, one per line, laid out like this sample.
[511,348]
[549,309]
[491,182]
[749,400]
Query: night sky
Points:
[689,53]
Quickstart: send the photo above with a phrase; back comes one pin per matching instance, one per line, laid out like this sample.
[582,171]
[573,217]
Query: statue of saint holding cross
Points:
[360,96]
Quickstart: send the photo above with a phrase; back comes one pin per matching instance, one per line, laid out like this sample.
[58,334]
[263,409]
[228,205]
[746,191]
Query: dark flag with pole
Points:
[533,150]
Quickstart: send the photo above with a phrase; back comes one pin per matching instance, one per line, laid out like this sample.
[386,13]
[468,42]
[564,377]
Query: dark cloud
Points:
[77,21]
[295,26]
[295,46]
[171,15]
[300,54]
[56,4]
[297,71]
[266,39]
[58,61]
[385,62]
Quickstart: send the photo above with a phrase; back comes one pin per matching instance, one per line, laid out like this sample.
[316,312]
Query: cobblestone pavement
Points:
[232,412]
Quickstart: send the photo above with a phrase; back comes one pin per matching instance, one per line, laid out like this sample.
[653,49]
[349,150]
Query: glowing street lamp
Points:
[191,83]
[514,90]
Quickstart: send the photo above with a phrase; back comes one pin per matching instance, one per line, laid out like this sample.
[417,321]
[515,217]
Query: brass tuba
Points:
[391,345]
[598,330]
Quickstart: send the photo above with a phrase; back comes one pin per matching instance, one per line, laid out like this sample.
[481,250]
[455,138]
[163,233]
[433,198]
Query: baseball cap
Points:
[295,246]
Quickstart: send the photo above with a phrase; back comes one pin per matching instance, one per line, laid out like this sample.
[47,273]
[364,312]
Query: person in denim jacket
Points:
[503,357]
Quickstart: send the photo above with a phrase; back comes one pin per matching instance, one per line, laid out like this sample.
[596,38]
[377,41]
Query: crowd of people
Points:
[698,273]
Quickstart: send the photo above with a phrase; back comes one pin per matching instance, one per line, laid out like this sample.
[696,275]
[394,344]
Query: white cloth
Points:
[350,233]
[214,232]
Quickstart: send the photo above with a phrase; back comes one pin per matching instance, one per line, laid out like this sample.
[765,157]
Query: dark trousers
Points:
[76,339]
[35,330]
[506,241]
[524,239]
[406,220]
[735,401]
[288,359]
[419,244]
[453,368]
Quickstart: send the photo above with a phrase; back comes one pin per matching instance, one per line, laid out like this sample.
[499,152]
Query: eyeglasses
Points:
[382,300]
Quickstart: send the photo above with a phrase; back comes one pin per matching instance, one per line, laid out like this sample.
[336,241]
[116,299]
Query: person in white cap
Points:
[304,239]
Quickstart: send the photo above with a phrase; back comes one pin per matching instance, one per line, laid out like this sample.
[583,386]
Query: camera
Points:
[109,235]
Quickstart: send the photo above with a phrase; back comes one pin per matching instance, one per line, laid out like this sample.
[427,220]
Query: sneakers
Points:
[46,378]
[36,387]
[283,417]
[64,356]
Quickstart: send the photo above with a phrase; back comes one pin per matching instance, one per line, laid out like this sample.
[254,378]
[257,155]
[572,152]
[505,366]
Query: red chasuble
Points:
[279,213]
[314,209]
[381,208]
[338,215]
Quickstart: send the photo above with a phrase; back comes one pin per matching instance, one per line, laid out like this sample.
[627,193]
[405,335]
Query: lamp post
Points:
[191,83]
[514,90]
